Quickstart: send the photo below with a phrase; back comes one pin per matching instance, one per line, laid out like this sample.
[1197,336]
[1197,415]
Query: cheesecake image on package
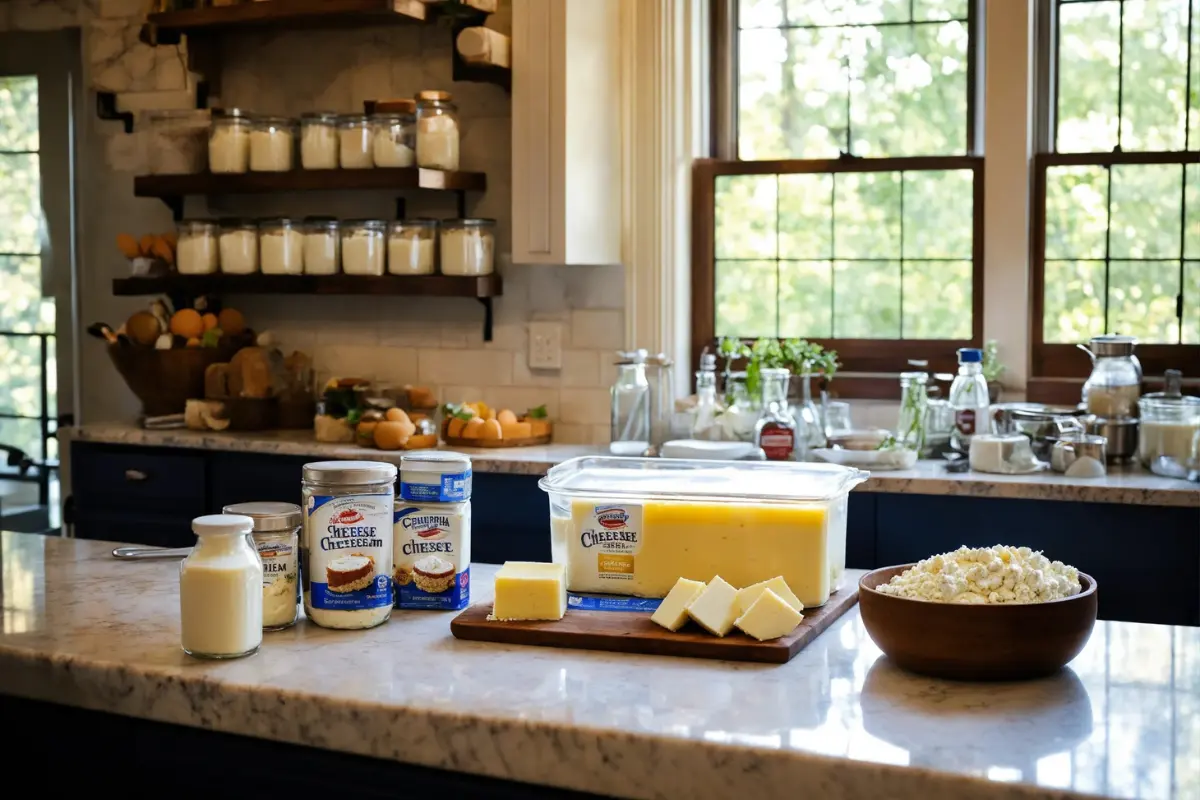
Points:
[350,573]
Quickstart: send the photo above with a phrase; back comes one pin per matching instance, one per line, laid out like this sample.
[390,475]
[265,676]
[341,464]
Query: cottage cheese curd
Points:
[986,575]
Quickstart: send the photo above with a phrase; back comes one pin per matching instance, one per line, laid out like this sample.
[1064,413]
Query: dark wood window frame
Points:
[871,363]
[1051,362]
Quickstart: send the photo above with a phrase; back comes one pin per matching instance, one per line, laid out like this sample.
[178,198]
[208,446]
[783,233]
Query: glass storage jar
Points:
[322,246]
[196,250]
[1170,428]
[239,246]
[411,247]
[363,246]
[346,548]
[468,246]
[437,131]
[280,247]
[1112,390]
[914,408]
[630,406]
[392,139]
[354,142]
[276,536]
[319,140]
[220,590]
[272,142]
[229,141]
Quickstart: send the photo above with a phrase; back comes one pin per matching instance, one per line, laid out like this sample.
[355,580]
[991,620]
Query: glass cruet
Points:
[776,432]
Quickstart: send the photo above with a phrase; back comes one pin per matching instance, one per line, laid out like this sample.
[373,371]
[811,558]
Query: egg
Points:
[474,429]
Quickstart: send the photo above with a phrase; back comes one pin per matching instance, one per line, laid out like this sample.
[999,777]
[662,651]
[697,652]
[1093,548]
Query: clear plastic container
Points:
[272,144]
[319,140]
[633,526]
[468,246]
[196,253]
[229,141]
[411,245]
[354,142]
[392,140]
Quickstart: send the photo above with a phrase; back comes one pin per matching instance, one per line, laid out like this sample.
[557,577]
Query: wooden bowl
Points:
[976,642]
[164,380]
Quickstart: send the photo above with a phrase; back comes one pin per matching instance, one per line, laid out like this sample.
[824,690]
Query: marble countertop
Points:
[838,722]
[1126,485]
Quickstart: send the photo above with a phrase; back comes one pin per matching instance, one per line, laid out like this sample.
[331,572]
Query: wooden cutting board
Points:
[629,632]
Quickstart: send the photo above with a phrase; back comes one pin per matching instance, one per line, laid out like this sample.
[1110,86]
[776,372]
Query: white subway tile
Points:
[581,368]
[567,433]
[524,376]
[598,329]
[588,406]
[521,399]
[600,434]
[465,367]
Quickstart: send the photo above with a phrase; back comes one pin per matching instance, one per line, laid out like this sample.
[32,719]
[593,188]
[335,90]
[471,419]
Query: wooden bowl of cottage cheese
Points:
[970,619]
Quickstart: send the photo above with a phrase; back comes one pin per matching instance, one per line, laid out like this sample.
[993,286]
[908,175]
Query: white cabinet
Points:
[566,159]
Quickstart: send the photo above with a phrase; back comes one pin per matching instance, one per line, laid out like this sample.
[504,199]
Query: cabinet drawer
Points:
[136,480]
[156,530]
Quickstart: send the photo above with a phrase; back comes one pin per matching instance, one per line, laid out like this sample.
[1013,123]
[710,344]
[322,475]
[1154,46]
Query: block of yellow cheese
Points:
[769,617]
[716,608]
[530,590]
[778,585]
[673,611]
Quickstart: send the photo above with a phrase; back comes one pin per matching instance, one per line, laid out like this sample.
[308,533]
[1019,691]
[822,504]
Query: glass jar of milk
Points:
[220,589]
[1170,429]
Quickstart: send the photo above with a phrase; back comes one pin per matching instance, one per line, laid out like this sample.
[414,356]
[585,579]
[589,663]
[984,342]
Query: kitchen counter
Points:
[839,721]
[1125,485]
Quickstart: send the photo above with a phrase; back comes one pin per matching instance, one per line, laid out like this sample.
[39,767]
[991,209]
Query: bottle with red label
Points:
[776,430]
[969,399]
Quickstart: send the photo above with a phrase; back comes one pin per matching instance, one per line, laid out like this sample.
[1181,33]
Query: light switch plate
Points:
[545,345]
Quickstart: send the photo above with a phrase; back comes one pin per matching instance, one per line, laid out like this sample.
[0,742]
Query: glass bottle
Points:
[914,405]
[744,409]
[1113,388]
[776,430]
[705,413]
[437,131]
[662,398]
[809,420]
[969,399]
[1170,427]
[220,590]
[630,406]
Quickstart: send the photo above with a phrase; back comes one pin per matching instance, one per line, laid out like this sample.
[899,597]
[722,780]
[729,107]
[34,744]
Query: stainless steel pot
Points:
[1121,433]
[1068,450]
[1042,424]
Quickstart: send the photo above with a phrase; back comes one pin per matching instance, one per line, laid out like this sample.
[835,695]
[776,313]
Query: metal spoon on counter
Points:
[130,553]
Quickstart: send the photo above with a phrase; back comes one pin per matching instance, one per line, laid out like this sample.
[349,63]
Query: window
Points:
[848,206]
[1117,184]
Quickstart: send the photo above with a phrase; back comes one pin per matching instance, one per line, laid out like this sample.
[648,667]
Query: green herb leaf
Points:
[537,413]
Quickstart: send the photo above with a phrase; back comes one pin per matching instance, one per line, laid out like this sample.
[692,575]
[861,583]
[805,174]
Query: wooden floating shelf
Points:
[307,180]
[166,27]
[479,287]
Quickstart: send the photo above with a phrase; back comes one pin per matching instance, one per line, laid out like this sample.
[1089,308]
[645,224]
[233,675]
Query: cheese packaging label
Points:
[431,565]
[348,558]
[610,536]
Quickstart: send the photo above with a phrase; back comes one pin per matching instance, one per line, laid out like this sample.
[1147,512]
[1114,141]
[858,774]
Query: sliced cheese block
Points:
[673,611]
[716,608]
[778,585]
[530,590]
[769,617]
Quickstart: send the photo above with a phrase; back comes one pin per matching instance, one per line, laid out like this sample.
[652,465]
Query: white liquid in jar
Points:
[321,253]
[271,151]
[388,152]
[197,255]
[410,255]
[1179,441]
[362,254]
[437,142]
[466,251]
[319,147]
[282,252]
[355,148]
[229,149]
[220,602]
[239,252]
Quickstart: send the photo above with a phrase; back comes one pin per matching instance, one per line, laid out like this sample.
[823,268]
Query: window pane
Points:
[937,299]
[746,295]
[19,113]
[22,307]
[867,215]
[1154,75]
[1088,66]
[1146,210]
[25,434]
[1141,300]
[745,216]
[1194,106]
[846,12]
[760,13]
[1074,303]
[866,299]
[939,9]
[20,375]
[938,215]
[1076,212]
[806,299]
[1191,302]
[1191,247]
[805,216]
[20,204]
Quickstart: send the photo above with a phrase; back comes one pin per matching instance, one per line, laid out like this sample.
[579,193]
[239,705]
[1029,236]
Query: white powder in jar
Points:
[355,147]
[467,251]
[410,255]
[239,251]
[229,148]
[282,252]
[271,148]
[279,602]
[389,150]
[437,142]
[196,254]
[362,253]
[319,147]
[321,252]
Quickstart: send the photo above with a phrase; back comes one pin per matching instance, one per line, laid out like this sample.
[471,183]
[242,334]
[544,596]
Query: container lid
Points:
[320,220]
[434,461]
[277,222]
[240,113]
[279,122]
[403,105]
[415,222]
[700,481]
[268,516]
[433,94]
[353,119]
[469,223]
[349,473]
[236,222]
[365,223]
[970,355]
[222,525]
[1112,345]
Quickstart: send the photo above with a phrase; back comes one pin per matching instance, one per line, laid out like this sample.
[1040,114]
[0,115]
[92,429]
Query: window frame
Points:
[875,361]
[1051,360]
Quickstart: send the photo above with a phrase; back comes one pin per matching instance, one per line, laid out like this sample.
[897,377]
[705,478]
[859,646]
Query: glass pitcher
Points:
[1113,388]
[914,407]
[630,406]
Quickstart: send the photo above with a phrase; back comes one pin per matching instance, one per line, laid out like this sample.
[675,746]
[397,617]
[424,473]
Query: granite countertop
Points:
[1126,485]
[838,722]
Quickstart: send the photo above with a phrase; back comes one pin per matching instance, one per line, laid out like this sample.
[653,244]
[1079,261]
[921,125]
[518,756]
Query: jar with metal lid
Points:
[220,590]
[437,131]
[346,551]
[322,246]
[363,246]
[392,138]
[468,246]
[196,248]
[319,140]
[411,247]
[280,247]
[1113,388]
[354,142]
[272,143]
[1170,429]
[229,141]
[239,246]
[276,536]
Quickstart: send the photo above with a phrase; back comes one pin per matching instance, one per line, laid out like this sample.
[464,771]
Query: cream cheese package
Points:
[631,526]
[432,555]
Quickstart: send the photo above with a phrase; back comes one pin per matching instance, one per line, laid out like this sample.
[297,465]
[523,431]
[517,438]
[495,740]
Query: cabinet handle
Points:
[132,475]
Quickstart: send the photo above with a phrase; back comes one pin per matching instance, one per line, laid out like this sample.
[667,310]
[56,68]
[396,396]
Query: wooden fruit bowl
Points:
[976,642]
[529,441]
[164,380]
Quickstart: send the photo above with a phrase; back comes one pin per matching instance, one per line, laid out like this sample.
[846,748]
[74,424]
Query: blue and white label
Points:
[349,551]
[453,487]
[432,562]
[589,602]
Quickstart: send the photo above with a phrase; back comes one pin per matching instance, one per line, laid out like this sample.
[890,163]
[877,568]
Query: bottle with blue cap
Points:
[969,399]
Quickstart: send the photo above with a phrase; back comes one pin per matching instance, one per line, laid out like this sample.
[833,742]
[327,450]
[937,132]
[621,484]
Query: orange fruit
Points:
[231,322]
[186,322]
[210,321]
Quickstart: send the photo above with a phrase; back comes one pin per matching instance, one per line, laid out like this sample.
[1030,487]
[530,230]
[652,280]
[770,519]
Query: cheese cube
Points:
[716,608]
[528,590]
[769,617]
[778,585]
[673,611]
